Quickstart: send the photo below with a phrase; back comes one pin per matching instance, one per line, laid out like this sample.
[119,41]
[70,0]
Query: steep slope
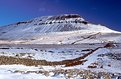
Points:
[65,29]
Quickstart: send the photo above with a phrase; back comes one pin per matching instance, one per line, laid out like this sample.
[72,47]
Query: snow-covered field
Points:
[44,54]
[98,61]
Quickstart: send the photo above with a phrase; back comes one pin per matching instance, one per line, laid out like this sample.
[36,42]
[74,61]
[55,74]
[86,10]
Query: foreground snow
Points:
[6,72]
[101,59]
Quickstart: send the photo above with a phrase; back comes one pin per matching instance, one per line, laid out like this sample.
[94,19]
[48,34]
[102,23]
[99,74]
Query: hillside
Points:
[61,29]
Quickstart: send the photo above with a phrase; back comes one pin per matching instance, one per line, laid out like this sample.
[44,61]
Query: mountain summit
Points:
[64,29]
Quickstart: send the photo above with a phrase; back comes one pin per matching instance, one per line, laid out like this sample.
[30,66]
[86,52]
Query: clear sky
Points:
[105,12]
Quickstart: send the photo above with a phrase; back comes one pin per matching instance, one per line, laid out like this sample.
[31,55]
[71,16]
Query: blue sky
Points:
[105,12]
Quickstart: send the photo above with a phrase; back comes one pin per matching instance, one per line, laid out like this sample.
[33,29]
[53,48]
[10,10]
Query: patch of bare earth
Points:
[70,73]
[32,62]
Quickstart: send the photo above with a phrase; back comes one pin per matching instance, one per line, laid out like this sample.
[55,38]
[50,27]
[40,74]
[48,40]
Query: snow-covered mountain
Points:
[62,29]
[24,53]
